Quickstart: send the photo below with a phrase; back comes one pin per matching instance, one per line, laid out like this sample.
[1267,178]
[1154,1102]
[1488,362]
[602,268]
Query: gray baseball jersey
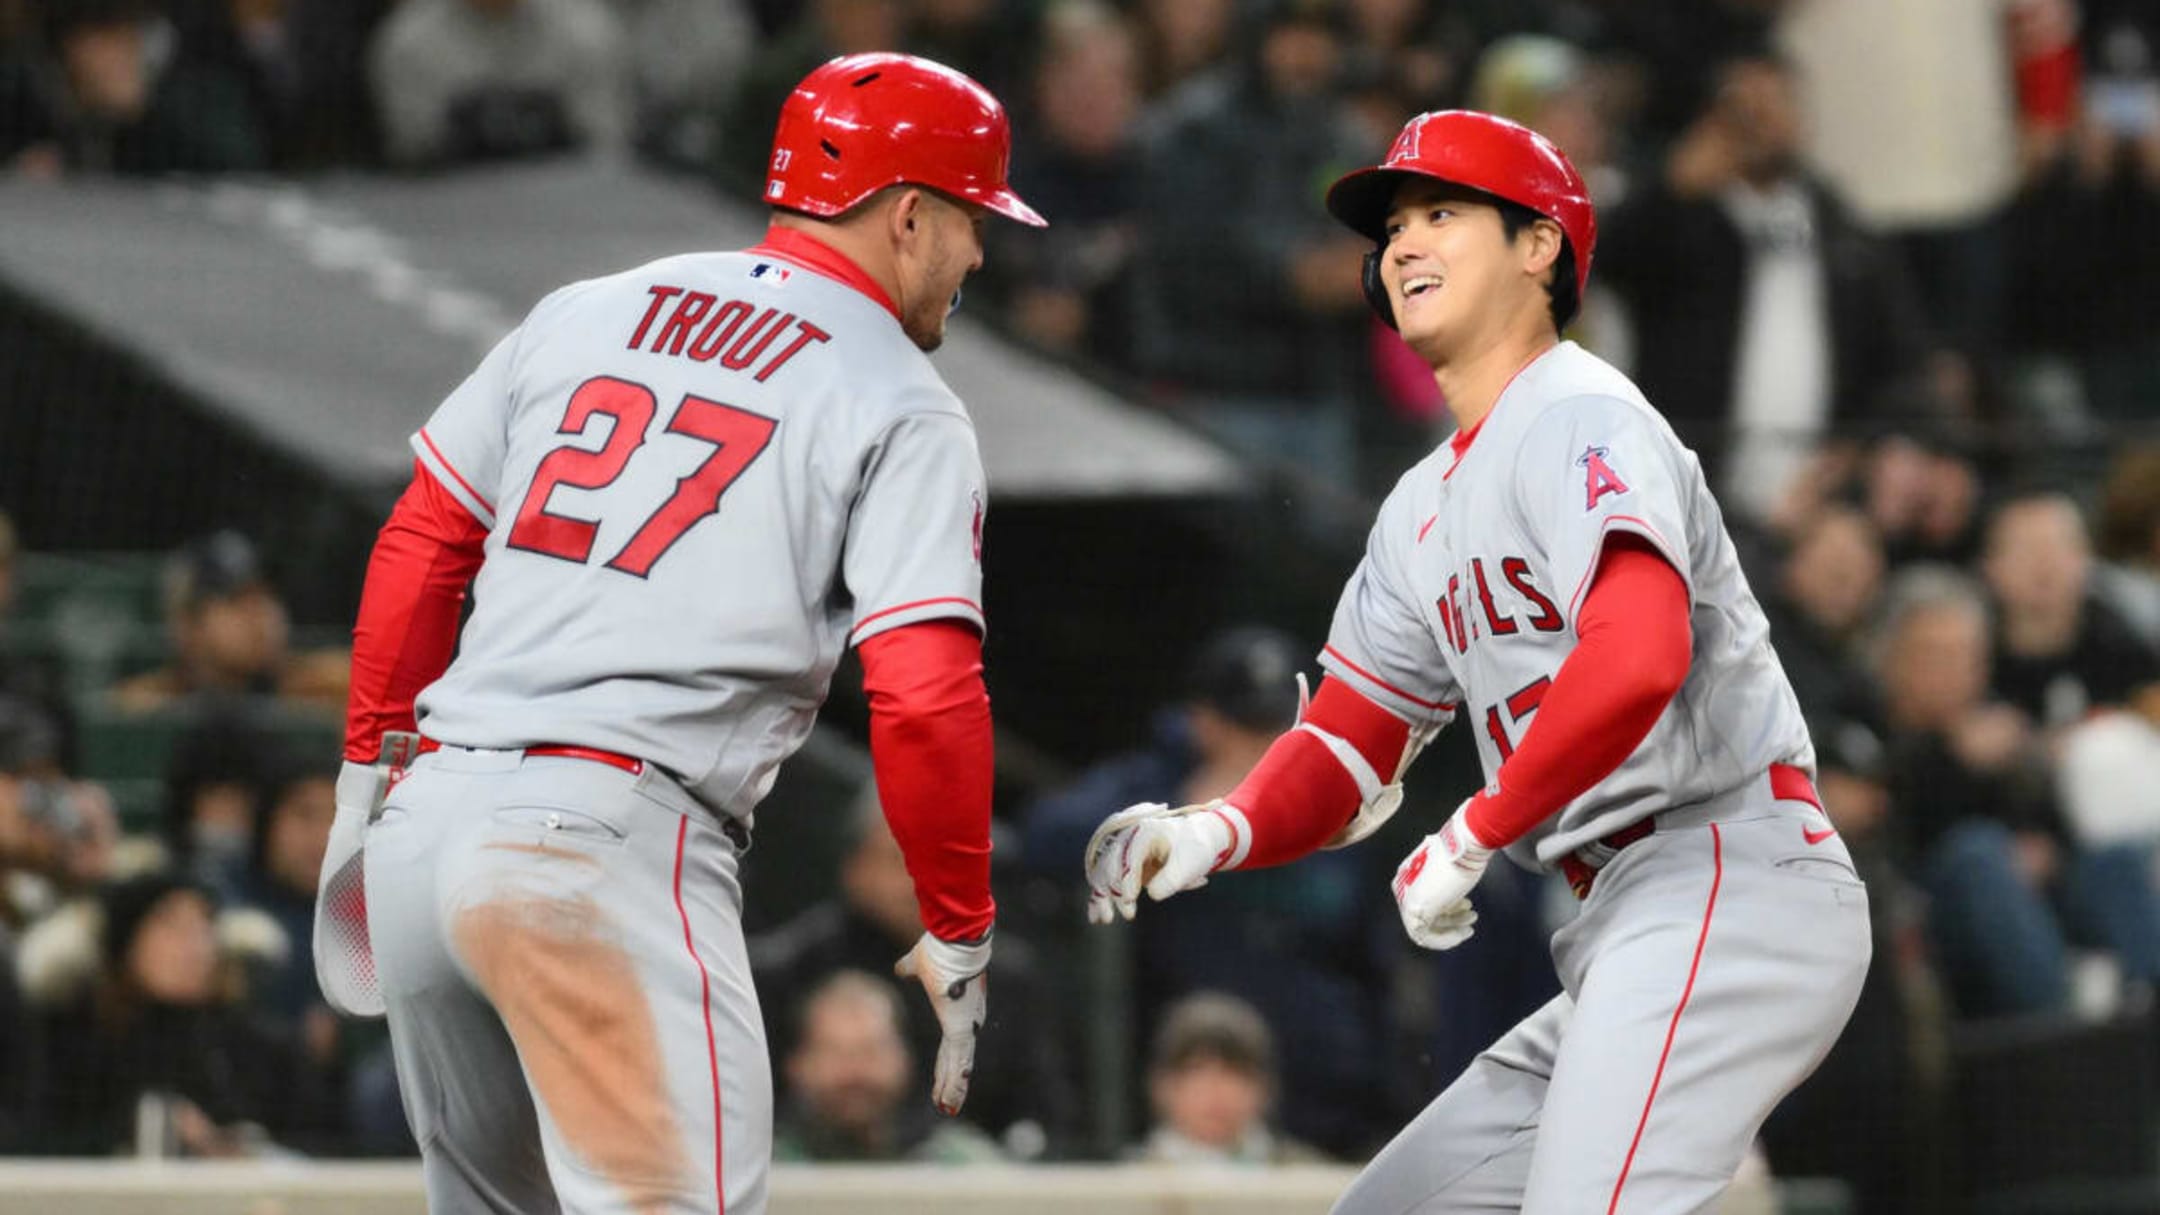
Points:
[1689,1007]
[703,479]
[1465,603]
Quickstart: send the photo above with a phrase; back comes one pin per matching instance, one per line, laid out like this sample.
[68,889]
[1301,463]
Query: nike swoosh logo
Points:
[1817,837]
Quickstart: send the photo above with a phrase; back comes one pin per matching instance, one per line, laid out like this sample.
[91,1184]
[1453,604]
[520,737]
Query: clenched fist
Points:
[1162,849]
[1432,885]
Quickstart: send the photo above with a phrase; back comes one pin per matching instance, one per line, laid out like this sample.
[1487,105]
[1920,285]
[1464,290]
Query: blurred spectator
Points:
[2089,217]
[1309,944]
[292,826]
[1211,1085]
[1399,42]
[688,57]
[1763,316]
[229,633]
[1067,286]
[458,81]
[976,36]
[1822,600]
[29,671]
[2010,889]
[213,789]
[850,1086]
[301,62]
[108,89]
[57,835]
[1556,90]
[1673,50]
[1240,692]
[1247,296]
[1183,39]
[2060,652]
[1940,174]
[1021,1089]
[824,29]
[130,1006]
[1923,494]
[2129,539]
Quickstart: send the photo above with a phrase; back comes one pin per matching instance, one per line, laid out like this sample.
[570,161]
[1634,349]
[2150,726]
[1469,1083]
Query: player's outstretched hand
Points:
[956,977]
[1163,849]
[1432,885]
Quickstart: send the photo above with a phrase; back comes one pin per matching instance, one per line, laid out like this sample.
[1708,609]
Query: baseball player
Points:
[1558,574]
[680,493]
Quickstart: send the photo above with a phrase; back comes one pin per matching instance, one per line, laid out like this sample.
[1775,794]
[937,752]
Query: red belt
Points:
[1787,783]
[613,759]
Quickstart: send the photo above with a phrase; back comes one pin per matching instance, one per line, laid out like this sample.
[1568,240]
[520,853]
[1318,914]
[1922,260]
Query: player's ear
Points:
[902,207]
[1541,243]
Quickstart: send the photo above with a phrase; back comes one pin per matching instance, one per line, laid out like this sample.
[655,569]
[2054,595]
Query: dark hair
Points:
[283,769]
[1213,1027]
[128,903]
[1249,675]
[1566,301]
[65,18]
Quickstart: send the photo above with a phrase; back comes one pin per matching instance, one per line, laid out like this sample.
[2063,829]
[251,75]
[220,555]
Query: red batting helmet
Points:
[861,123]
[1488,153]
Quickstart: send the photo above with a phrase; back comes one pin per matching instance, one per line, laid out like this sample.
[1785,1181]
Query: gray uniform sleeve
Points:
[914,542]
[1380,643]
[464,442]
[1595,466]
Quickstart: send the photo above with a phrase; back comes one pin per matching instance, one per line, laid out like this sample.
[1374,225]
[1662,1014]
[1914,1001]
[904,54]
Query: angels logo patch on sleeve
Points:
[1599,479]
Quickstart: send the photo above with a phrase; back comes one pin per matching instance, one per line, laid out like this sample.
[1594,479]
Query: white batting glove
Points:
[1162,849]
[956,977]
[1432,885]
[344,955]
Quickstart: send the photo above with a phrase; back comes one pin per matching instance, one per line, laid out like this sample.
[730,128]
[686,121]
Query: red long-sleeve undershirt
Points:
[425,558]
[930,743]
[1634,646]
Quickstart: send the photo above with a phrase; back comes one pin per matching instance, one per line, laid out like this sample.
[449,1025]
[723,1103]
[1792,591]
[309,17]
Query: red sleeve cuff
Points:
[1300,794]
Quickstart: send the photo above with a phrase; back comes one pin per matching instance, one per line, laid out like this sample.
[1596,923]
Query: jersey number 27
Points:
[738,437]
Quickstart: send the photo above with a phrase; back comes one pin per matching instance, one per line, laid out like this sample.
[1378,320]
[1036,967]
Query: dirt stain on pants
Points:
[570,998]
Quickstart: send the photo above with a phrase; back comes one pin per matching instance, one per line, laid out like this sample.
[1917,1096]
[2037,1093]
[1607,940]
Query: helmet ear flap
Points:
[1376,288]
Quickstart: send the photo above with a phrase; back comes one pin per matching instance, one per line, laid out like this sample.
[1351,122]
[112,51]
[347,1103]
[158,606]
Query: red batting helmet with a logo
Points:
[1481,151]
[861,123]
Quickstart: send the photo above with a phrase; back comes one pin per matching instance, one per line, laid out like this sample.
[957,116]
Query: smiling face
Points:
[1456,280]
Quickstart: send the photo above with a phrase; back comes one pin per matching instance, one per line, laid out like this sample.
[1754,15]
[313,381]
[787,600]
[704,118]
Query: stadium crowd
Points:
[1885,264]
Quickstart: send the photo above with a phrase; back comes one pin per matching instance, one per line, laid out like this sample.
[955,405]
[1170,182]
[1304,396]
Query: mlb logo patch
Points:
[767,272]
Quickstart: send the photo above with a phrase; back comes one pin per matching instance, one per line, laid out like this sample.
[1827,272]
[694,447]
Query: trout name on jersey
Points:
[737,332]
[1494,598]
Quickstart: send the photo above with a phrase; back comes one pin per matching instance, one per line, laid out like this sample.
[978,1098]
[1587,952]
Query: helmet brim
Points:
[1361,199]
[1008,204]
